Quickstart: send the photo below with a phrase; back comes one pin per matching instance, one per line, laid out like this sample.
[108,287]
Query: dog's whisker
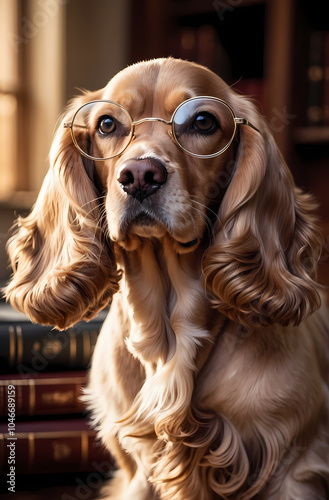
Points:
[209,224]
[206,208]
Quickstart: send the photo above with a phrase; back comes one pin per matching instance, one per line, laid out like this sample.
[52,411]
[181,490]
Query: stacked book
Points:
[43,424]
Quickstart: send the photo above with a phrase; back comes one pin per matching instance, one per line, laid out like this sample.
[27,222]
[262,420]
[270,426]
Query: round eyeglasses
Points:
[203,127]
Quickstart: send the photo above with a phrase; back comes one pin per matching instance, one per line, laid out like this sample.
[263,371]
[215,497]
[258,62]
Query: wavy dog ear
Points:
[63,263]
[261,268]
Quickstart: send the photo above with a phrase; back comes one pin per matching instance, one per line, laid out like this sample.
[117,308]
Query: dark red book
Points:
[254,88]
[39,447]
[48,393]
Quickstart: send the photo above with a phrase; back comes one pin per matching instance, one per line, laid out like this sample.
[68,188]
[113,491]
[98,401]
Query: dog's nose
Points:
[141,178]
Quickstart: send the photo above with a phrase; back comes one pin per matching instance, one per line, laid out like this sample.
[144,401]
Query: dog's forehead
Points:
[166,83]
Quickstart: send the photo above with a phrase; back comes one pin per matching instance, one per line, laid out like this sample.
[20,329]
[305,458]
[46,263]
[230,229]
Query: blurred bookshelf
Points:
[41,44]
[275,51]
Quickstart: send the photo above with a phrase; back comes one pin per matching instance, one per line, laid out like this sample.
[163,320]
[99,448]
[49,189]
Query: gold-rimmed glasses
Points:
[203,127]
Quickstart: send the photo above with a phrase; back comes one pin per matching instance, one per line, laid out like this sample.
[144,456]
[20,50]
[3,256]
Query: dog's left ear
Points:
[63,262]
[261,268]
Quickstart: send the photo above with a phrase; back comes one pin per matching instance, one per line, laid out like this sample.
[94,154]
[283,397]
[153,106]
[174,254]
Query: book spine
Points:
[49,452]
[44,396]
[315,75]
[28,348]
[326,81]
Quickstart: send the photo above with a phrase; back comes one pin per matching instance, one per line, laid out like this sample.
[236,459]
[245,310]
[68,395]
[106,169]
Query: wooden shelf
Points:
[311,135]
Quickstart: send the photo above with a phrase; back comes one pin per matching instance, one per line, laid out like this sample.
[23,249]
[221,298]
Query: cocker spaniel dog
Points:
[167,194]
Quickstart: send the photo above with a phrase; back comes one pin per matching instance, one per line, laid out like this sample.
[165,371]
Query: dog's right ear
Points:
[63,264]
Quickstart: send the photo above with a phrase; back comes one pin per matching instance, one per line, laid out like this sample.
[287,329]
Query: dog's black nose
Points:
[142,178]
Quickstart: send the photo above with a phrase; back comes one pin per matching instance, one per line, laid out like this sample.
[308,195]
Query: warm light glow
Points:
[8,142]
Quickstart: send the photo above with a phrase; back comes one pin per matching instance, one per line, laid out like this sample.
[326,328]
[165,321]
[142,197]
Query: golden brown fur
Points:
[210,375]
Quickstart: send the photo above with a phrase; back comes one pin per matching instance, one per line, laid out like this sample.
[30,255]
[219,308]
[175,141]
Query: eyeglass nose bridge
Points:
[152,119]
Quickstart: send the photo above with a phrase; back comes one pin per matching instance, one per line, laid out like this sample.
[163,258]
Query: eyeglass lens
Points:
[201,127]
[102,129]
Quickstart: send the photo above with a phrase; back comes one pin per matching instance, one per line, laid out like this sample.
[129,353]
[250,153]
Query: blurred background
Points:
[276,51]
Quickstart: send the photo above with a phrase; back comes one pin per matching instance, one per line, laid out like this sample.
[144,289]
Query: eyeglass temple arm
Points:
[69,125]
[244,121]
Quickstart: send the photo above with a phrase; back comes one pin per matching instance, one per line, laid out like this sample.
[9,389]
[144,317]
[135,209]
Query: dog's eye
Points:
[205,122]
[106,125]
